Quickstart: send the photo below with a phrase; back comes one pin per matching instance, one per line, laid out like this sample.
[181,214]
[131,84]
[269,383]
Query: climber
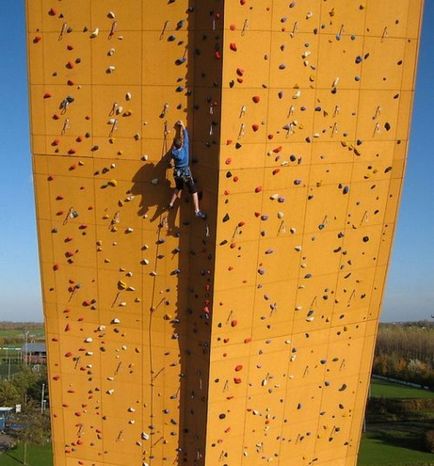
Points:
[181,172]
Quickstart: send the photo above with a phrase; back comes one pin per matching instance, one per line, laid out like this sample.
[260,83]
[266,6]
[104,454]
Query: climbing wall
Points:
[247,338]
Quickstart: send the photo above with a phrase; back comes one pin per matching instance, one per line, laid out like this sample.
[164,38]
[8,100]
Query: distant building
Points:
[34,353]
[4,413]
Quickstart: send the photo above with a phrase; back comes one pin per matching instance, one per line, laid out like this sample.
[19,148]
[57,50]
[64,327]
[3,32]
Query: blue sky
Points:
[410,290]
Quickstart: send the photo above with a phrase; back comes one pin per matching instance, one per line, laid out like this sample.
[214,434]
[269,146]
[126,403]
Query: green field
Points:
[6,370]
[384,389]
[384,445]
[37,333]
[36,456]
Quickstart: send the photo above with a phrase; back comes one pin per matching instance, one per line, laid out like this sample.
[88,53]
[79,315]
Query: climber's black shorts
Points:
[183,177]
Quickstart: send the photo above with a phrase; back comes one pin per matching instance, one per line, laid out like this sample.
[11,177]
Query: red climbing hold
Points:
[238,368]
[237,380]
[47,95]
[256,99]
[258,189]
[255,127]
[52,12]
[233,46]
[234,323]
[37,39]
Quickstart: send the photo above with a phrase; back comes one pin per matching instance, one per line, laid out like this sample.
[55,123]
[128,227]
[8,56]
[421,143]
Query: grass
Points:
[36,456]
[399,445]
[385,389]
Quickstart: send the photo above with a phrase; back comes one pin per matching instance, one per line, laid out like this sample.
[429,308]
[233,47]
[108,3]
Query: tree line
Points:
[406,352]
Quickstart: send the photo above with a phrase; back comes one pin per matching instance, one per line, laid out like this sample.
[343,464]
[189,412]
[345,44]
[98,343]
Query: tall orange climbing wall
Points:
[247,338]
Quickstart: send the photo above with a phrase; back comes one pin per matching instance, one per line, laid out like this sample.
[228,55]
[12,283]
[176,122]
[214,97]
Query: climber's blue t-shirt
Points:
[181,155]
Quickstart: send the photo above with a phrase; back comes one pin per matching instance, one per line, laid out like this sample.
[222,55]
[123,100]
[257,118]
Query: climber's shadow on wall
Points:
[151,182]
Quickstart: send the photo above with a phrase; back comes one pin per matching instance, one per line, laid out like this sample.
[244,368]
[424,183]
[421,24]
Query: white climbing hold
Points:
[94,33]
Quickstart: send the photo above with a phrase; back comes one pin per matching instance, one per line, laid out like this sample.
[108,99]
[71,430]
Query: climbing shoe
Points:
[200,214]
